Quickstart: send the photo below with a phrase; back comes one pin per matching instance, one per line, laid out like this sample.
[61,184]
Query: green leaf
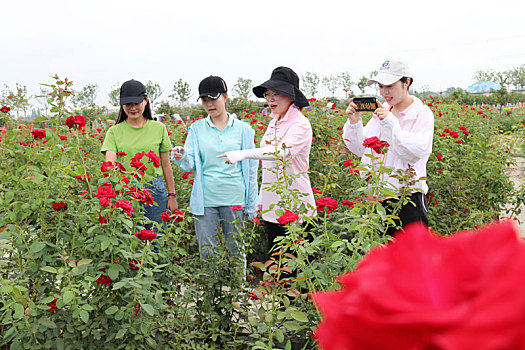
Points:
[121,333]
[291,325]
[119,285]
[148,308]
[111,310]
[84,316]
[337,244]
[151,341]
[36,247]
[299,316]
[84,262]
[48,323]
[113,273]
[119,315]
[6,289]
[19,311]
[68,296]
[88,307]
[105,244]
[279,335]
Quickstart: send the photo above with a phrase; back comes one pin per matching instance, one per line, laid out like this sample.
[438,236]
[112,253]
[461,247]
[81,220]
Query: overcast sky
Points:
[108,42]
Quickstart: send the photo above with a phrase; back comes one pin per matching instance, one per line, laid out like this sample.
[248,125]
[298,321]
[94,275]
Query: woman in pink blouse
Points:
[289,134]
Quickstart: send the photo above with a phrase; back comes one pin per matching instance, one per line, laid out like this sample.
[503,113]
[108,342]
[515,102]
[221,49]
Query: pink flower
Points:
[287,217]
[463,291]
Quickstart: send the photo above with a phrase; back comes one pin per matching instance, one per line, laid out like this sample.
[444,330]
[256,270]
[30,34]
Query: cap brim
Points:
[384,79]
[131,99]
[212,95]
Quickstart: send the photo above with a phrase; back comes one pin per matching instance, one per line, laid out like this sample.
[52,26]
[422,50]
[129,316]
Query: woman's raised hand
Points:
[382,111]
[351,113]
[224,156]
[177,153]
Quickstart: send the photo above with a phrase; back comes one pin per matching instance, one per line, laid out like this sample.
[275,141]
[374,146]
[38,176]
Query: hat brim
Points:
[131,99]
[212,95]
[384,79]
[283,88]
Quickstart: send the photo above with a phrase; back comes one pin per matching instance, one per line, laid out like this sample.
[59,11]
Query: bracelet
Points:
[172,195]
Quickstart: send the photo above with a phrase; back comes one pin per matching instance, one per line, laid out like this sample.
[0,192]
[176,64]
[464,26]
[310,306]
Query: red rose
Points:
[143,196]
[190,181]
[185,176]
[105,192]
[146,235]
[459,141]
[77,121]
[104,279]
[38,134]
[121,154]
[106,167]
[177,216]
[133,264]
[462,128]
[236,208]
[52,305]
[347,202]
[438,156]
[424,291]
[125,205]
[379,146]
[257,221]
[62,137]
[165,216]
[104,202]
[60,206]
[326,203]
[102,220]
[316,190]
[5,109]
[287,217]
[154,158]
[348,163]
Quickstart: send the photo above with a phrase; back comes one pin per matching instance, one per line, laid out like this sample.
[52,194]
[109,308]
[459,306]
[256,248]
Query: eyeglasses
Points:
[270,96]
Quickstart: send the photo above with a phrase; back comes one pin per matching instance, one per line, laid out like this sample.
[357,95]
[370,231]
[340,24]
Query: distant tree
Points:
[518,77]
[86,96]
[332,83]
[346,82]
[154,91]
[243,88]
[311,83]
[362,83]
[182,92]
[42,99]
[19,99]
[114,95]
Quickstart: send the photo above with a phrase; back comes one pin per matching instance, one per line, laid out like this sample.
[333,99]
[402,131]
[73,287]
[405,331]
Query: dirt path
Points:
[517,175]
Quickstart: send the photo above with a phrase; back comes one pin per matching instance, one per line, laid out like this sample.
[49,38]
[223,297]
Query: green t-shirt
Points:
[153,136]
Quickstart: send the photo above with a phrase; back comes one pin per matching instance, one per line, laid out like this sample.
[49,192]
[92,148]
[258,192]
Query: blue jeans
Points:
[207,227]
[157,187]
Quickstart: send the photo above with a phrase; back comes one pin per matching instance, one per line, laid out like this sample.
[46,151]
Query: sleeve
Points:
[187,163]
[353,137]
[165,144]
[253,165]
[263,153]
[109,142]
[412,145]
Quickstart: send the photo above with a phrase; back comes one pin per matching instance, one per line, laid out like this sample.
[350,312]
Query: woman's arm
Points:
[111,156]
[186,161]
[168,178]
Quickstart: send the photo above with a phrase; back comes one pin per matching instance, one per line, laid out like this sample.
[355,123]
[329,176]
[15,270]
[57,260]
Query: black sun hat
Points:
[285,82]
[132,91]
[212,87]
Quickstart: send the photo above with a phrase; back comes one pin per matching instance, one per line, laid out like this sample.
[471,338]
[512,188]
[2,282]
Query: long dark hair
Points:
[123,116]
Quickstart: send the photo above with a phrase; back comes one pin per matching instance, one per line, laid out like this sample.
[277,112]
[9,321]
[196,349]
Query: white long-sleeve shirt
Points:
[409,134]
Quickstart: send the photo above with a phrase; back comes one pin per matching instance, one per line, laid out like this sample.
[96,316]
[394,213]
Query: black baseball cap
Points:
[212,87]
[132,91]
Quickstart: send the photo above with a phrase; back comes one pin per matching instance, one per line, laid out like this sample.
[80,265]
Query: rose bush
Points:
[68,221]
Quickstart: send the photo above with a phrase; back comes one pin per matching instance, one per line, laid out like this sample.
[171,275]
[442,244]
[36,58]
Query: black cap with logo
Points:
[212,87]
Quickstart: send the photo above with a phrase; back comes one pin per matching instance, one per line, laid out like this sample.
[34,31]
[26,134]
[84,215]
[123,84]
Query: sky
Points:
[108,42]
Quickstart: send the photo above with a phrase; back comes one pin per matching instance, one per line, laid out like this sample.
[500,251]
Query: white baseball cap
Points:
[391,71]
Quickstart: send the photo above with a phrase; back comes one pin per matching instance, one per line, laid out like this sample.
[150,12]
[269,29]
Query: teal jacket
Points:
[191,161]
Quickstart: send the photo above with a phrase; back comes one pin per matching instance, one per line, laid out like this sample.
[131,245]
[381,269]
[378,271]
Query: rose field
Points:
[77,271]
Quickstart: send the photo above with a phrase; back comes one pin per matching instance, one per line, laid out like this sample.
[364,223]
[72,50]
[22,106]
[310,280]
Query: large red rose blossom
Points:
[154,158]
[424,291]
[146,235]
[379,146]
[287,217]
[125,205]
[326,204]
[38,134]
[76,121]
[105,191]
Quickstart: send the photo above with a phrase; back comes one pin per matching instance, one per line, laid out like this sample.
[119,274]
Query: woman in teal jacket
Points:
[221,196]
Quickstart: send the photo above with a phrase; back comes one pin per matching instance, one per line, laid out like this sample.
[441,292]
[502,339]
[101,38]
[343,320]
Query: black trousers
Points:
[408,213]
[274,230]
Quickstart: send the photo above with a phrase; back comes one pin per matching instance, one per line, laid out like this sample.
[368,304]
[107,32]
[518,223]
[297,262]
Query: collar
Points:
[291,113]
[230,122]
[412,110]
